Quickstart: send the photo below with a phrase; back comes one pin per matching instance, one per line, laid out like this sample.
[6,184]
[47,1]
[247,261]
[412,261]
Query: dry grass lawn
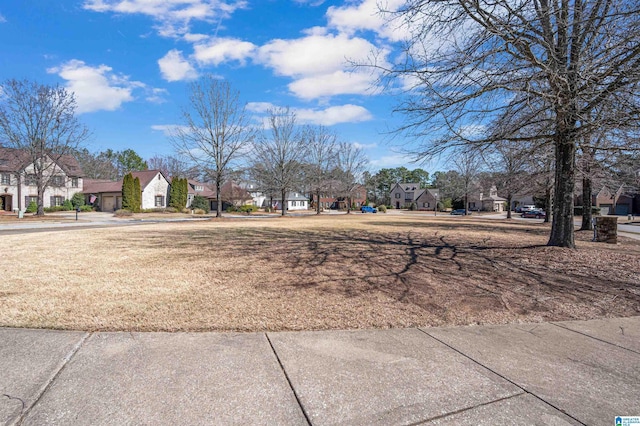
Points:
[328,272]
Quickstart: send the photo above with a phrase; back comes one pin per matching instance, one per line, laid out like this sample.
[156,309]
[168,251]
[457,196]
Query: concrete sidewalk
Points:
[565,373]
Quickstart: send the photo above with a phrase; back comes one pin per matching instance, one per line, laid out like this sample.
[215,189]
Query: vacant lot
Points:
[311,273]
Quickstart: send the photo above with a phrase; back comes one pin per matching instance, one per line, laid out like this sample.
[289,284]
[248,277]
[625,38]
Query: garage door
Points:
[108,204]
[622,209]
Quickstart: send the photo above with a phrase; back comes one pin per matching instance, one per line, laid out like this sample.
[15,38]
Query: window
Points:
[425,204]
[57,180]
[30,180]
[408,196]
[74,182]
[199,188]
[159,201]
[5,179]
[28,199]
[56,200]
[397,195]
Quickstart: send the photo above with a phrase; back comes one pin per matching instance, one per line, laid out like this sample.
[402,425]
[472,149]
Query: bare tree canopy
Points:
[352,163]
[40,120]
[320,159]
[216,131]
[279,154]
[469,62]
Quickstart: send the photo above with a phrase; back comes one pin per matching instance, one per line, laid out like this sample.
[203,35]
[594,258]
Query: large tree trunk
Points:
[219,201]
[509,198]
[318,202]
[40,211]
[283,205]
[548,203]
[562,234]
[587,224]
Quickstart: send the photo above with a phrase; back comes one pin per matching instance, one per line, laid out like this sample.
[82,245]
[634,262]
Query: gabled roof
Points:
[231,192]
[94,186]
[15,160]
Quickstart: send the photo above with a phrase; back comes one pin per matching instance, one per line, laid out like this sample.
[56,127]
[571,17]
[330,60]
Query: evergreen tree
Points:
[128,200]
[137,195]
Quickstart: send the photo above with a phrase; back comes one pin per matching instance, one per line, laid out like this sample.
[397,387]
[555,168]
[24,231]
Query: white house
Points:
[107,195]
[18,182]
[295,201]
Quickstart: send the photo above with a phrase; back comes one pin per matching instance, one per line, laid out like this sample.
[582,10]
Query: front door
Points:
[5,202]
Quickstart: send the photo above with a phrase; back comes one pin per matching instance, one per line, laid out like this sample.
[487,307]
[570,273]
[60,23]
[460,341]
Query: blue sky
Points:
[130,62]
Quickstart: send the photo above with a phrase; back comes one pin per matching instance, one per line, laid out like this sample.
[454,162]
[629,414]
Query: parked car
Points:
[538,214]
[368,209]
[459,212]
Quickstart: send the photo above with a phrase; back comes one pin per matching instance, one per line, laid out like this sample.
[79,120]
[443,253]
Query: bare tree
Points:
[40,120]
[172,166]
[279,153]
[467,164]
[352,163]
[471,61]
[216,131]
[510,162]
[321,157]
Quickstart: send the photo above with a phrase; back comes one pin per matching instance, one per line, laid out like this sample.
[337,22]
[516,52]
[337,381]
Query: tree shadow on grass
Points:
[449,276]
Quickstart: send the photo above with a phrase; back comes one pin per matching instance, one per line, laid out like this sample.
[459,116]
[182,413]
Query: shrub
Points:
[170,210]
[577,211]
[77,200]
[32,207]
[86,208]
[128,196]
[123,213]
[67,205]
[53,209]
[382,209]
[248,209]
[267,209]
[413,207]
[198,211]
[186,211]
[231,209]
[137,195]
[200,203]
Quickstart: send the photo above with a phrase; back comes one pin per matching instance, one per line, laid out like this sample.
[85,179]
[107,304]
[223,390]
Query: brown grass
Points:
[328,272]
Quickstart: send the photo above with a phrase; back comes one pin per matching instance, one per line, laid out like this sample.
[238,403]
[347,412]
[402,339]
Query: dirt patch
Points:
[307,273]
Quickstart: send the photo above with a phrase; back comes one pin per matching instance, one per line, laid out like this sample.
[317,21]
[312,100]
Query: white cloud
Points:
[336,83]
[366,16]
[2,19]
[314,54]
[173,17]
[169,129]
[96,88]
[329,116]
[174,67]
[365,145]
[218,50]
[156,96]
[394,159]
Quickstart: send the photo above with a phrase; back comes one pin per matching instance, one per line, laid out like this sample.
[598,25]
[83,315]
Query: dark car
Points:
[538,214]
[368,209]
[459,212]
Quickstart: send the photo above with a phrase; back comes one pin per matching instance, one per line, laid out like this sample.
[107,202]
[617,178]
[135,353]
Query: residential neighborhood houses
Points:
[66,178]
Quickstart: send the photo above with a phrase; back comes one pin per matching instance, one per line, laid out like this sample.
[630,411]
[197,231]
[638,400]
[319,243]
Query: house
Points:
[198,188]
[18,184]
[403,194]
[428,199]
[258,197]
[610,202]
[232,195]
[491,203]
[107,195]
[295,201]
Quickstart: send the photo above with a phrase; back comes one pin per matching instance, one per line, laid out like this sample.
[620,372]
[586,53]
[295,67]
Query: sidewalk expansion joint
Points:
[462,410]
[595,338]
[53,378]
[284,371]
[503,377]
